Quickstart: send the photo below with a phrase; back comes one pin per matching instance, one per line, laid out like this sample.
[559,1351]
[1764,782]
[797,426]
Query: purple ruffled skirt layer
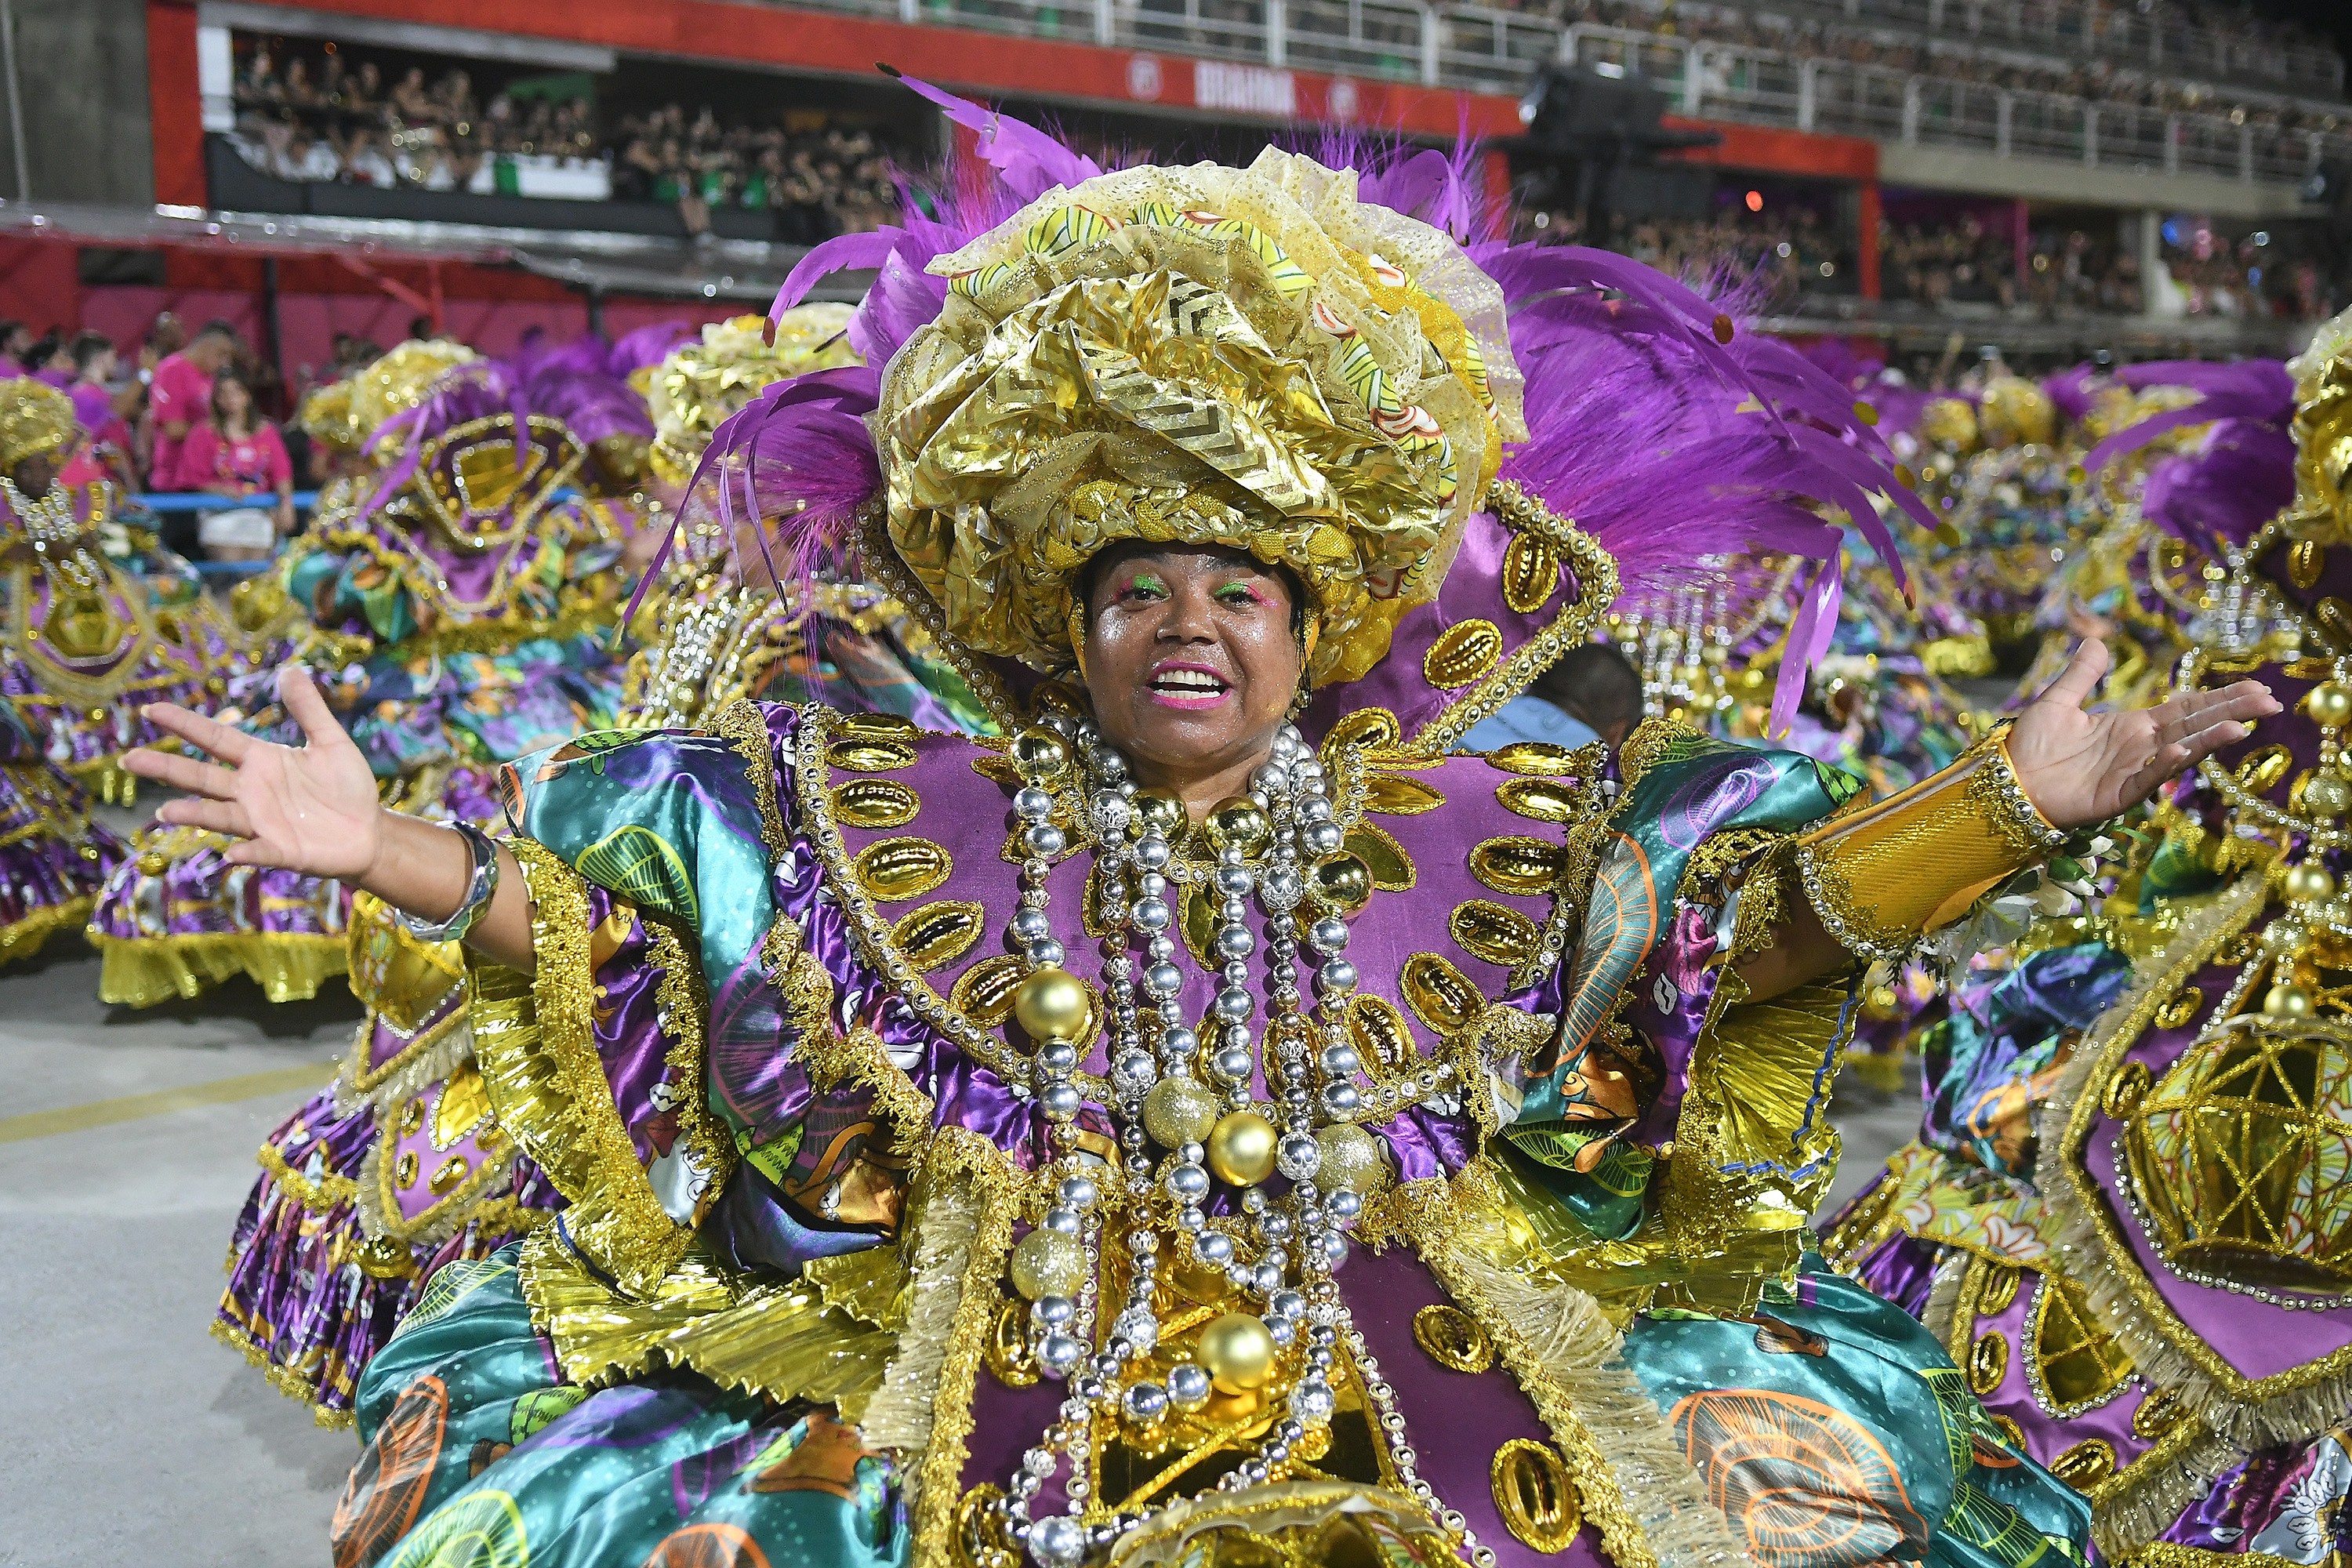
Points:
[53,858]
[311,1298]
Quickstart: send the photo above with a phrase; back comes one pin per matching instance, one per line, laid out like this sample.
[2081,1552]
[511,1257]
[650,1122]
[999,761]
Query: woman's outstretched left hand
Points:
[2080,768]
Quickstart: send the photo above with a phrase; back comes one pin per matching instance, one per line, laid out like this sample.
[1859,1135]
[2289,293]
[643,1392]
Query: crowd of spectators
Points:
[1799,258]
[2073,75]
[320,118]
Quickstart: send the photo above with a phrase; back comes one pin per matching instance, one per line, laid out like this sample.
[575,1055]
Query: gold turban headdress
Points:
[328,417]
[692,393]
[1206,356]
[1949,423]
[2016,412]
[399,380]
[34,419]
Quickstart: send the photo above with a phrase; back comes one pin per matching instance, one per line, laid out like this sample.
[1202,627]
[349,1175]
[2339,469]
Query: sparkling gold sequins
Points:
[2176,1013]
[1452,1337]
[1379,1031]
[464,1102]
[1539,799]
[983,993]
[875,803]
[1998,1289]
[1486,930]
[874,726]
[2306,559]
[1007,1349]
[412,1118]
[2086,1464]
[1463,653]
[2262,772]
[1392,868]
[937,934]
[2009,1430]
[2077,1364]
[2125,1089]
[865,755]
[1532,757]
[1372,728]
[1394,795]
[2334,618]
[1535,1494]
[452,1172]
[1441,994]
[979,1537]
[1528,866]
[403,1170]
[997,769]
[2158,1414]
[893,870]
[1988,1362]
[1530,573]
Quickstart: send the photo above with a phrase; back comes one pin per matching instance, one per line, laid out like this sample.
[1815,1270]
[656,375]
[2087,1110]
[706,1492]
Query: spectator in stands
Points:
[238,456]
[15,343]
[101,407]
[180,396]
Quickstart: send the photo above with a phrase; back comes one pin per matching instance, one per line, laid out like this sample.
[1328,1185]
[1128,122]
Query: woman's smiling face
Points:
[1190,659]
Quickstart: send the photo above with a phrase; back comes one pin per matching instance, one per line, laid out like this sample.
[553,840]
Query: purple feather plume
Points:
[2218,496]
[2260,390]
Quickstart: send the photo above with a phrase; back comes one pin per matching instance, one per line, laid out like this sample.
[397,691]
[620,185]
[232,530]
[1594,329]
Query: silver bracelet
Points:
[480,887]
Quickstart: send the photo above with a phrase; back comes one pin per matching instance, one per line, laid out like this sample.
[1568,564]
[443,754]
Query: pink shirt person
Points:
[247,464]
[182,392]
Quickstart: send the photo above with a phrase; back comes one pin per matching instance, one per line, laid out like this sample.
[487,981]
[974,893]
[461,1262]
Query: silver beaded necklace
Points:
[1282,1265]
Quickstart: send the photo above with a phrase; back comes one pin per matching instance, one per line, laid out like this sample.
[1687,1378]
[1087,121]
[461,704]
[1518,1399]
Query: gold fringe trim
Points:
[330,1191]
[685,1002]
[436,1052]
[29,935]
[288,967]
[1941,1315]
[2172,1554]
[1636,1484]
[781,1341]
[970,1193]
[534,1040]
[2143,1501]
[285,1379]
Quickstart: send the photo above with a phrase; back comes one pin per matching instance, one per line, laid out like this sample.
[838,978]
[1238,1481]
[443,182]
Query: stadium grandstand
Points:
[2054,179]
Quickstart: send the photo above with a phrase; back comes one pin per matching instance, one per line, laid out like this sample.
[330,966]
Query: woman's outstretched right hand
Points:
[311,808]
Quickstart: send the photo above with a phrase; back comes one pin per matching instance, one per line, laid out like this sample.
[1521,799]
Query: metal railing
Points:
[1483,51]
[2108,31]
[1766,87]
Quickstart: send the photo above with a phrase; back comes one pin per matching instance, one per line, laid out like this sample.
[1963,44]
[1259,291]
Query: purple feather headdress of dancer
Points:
[591,405]
[1662,430]
[2240,473]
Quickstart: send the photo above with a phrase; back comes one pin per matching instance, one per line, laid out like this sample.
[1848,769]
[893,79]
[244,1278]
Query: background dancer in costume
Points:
[466,608]
[903,1309]
[2119,1216]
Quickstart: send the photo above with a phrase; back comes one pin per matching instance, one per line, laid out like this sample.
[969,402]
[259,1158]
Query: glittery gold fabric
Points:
[34,418]
[398,381]
[327,416]
[704,382]
[1205,355]
[1881,878]
[2322,428]
[2016,412]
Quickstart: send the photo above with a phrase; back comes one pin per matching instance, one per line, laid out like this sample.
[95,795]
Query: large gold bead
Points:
[1351,1160]
[1040,757]
[1157,810]
[2325,797]
[1051,1004]
[1049,1263]
[2309,883]
[1237,1351]
[1341,881]
[1240,1148]
[2329,705]
[1178,1110]
[2286,1002]
[1238,822]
